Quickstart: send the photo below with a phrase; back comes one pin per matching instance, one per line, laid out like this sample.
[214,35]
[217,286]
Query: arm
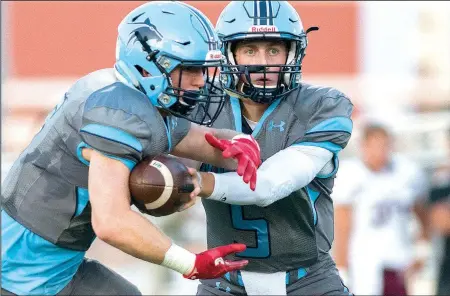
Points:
[421,212]
[342,225]
[115,223]
[440,217]
[347,187]
[279,176]
[112,218]
[195,147]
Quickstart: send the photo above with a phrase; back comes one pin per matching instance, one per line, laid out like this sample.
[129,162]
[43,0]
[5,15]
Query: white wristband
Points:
[179,259]
[218,192]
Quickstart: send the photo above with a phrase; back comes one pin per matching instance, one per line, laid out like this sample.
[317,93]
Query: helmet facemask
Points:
[180,102]
[289,74]
[207,100]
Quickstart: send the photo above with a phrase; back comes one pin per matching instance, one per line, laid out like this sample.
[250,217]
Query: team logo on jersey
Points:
[263,29]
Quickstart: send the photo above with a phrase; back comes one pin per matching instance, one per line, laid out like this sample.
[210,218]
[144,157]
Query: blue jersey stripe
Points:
[335,124]
[113,134]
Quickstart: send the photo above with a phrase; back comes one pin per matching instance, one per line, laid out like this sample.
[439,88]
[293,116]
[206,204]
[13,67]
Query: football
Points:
[160,185]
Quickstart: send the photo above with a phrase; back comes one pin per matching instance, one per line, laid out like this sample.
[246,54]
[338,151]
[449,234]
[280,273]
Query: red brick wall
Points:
[74,38]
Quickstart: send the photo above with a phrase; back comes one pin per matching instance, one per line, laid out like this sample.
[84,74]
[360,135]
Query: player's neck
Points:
[253,111]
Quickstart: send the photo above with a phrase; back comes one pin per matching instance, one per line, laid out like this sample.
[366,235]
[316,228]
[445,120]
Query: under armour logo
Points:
[272,125]
[174,122]
[228,290]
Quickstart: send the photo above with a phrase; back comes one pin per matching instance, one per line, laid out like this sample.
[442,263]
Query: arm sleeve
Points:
[278,177]
[330,125]
[115,126]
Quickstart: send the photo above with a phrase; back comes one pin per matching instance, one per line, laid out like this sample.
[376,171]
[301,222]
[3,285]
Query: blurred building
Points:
[391,58]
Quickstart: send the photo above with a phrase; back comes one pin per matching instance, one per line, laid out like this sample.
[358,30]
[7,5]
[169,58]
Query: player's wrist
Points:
[218,192]
[179,259]
[208,184]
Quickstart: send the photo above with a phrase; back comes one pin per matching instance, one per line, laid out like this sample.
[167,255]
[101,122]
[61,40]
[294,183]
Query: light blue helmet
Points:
[158,37]
[261,20]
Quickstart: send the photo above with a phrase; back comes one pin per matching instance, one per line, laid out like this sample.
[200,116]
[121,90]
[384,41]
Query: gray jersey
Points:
[289,233]
[46,190]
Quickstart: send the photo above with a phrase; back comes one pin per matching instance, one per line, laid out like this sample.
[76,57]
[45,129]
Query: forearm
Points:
[421,213]
[215,157]
[226,134]
[440,218]
[114,222]
[136,236]
[194,146]
[278,177]
[343,227]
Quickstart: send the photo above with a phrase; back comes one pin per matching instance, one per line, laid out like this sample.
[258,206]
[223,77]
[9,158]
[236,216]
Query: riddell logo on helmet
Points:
[213,55]
[268,29]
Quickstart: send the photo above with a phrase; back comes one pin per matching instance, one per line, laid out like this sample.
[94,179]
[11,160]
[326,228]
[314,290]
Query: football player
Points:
[70,185]
[287,222]
[376,195]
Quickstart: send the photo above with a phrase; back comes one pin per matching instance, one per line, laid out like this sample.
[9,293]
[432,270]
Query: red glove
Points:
[245,150]
[210,264]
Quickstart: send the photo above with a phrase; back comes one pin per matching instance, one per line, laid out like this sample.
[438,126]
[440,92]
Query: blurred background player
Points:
[374,196]
[440,220]
[70,185]
[287,222]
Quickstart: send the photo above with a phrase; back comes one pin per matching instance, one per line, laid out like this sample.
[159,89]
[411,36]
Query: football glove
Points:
[245,150]
[211,264]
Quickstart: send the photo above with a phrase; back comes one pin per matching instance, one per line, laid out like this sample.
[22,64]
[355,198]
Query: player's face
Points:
[262,52]
[376,150]
[189,78]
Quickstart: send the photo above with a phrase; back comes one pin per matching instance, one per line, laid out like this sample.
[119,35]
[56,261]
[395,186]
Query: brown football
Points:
[160,185]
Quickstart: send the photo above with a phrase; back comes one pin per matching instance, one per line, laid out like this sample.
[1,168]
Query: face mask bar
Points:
[257,92]
[206,103]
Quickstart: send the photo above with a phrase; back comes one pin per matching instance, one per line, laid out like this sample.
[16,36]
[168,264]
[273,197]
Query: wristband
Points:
[179,259]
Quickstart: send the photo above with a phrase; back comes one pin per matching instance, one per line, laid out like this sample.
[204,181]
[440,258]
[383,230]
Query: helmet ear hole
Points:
[143,72]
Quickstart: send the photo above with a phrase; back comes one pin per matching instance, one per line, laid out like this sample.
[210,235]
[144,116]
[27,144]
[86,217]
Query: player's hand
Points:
[211,263]
[197,181]
[245,150]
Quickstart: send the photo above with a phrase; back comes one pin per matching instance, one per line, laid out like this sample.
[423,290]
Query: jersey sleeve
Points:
[117,123]
[179,128]
[329,125]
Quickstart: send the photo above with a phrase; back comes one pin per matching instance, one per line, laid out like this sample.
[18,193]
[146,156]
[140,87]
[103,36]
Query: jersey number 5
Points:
[261,229]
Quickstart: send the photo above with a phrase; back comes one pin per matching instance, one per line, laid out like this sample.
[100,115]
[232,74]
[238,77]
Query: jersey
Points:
[382,209]
[291,232]
[45,195]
